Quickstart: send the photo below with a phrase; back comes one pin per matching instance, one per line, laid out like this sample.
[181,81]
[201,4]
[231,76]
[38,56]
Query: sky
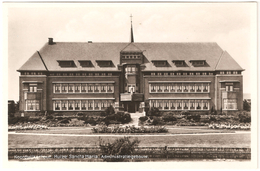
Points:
[231,25]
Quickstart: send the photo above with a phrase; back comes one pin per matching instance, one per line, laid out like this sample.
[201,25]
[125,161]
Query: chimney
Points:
[51,41]
[89,41]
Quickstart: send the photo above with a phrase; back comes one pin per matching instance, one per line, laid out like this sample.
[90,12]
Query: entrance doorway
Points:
[131,107]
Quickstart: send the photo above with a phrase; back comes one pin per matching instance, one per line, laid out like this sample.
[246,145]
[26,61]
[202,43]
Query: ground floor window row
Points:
[83,74]
[32,105]
[179,88]
[180,104]
[229,104]
[64,105]
[83,88]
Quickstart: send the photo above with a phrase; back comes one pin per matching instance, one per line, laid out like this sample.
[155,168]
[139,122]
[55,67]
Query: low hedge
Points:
[129,129]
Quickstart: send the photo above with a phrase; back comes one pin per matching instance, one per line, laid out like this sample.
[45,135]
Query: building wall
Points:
[52,95]
[41,88]
[239,93]
[191,78]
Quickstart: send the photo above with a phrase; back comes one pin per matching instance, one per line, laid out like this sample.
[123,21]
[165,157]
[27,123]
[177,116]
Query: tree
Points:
[117,149]
[246,106]
[110,110]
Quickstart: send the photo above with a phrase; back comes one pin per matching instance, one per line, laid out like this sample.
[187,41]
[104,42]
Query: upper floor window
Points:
[86,63]
[160,63]
[179,63]
[105,63]
[152,73]
[228,72]
[198,63]
[234,72]
[131,69]
[66,63]
[32,88]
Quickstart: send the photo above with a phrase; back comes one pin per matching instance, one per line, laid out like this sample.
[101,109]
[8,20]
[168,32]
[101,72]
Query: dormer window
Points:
[86,63]
[160,63]
[105,63]
[179,63]
[198,63]
[66,63]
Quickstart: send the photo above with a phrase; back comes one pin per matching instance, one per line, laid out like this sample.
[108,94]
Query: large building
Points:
[72,77]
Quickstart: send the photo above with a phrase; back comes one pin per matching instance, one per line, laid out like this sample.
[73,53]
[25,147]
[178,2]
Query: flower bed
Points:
[27,127]
[230,126]
[129,129]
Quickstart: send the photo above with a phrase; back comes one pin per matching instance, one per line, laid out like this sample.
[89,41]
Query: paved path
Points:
[120,135]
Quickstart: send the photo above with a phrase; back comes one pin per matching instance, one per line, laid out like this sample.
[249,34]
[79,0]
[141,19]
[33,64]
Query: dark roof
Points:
[215,57]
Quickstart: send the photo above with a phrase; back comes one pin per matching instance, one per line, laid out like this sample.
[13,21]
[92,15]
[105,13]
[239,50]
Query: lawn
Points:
[212,140]
[86,131]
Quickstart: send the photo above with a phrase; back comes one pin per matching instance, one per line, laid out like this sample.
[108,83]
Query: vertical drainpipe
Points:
[216,92]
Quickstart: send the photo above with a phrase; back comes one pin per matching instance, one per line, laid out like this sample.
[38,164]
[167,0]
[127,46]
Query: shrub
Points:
[157,121]
[122,146]
[143,118]
[14,120]
[212,119]
[58,114]
[154,112]
[246,105]
[169,118]
[49,117]
[196,118]
[65,121]
[120,117]
[244,118]
[109,111]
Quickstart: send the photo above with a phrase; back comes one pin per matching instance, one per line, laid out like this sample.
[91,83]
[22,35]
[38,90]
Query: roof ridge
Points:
[42,60]
[223,51]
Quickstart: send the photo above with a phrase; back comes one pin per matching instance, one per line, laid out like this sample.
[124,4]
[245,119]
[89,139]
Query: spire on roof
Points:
[132,35]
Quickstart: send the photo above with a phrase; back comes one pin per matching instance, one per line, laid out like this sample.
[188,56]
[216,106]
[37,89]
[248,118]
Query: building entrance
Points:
[131,107]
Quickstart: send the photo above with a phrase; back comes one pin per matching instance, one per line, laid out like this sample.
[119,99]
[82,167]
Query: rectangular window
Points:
[64,105]
[96,102]
[77,105]
[166,88]
[90,88]
[83,105]
[33,105]
[71,87]
[230,104]
[205,87]
[96,88]
[172,104]
[192,104]
[57,105]
[71,105]
[153,103]
[198,102]
[185,87]
[185,104]
[179,104]
[110,88]
[90,105]
[103,88]
[159,104]
[153,88]
[159,88]
[77,88]
[64,88]
[179,87]
[192,87]
[165,104]
[205,105]
[83,88]
[198,88]
[172,87]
